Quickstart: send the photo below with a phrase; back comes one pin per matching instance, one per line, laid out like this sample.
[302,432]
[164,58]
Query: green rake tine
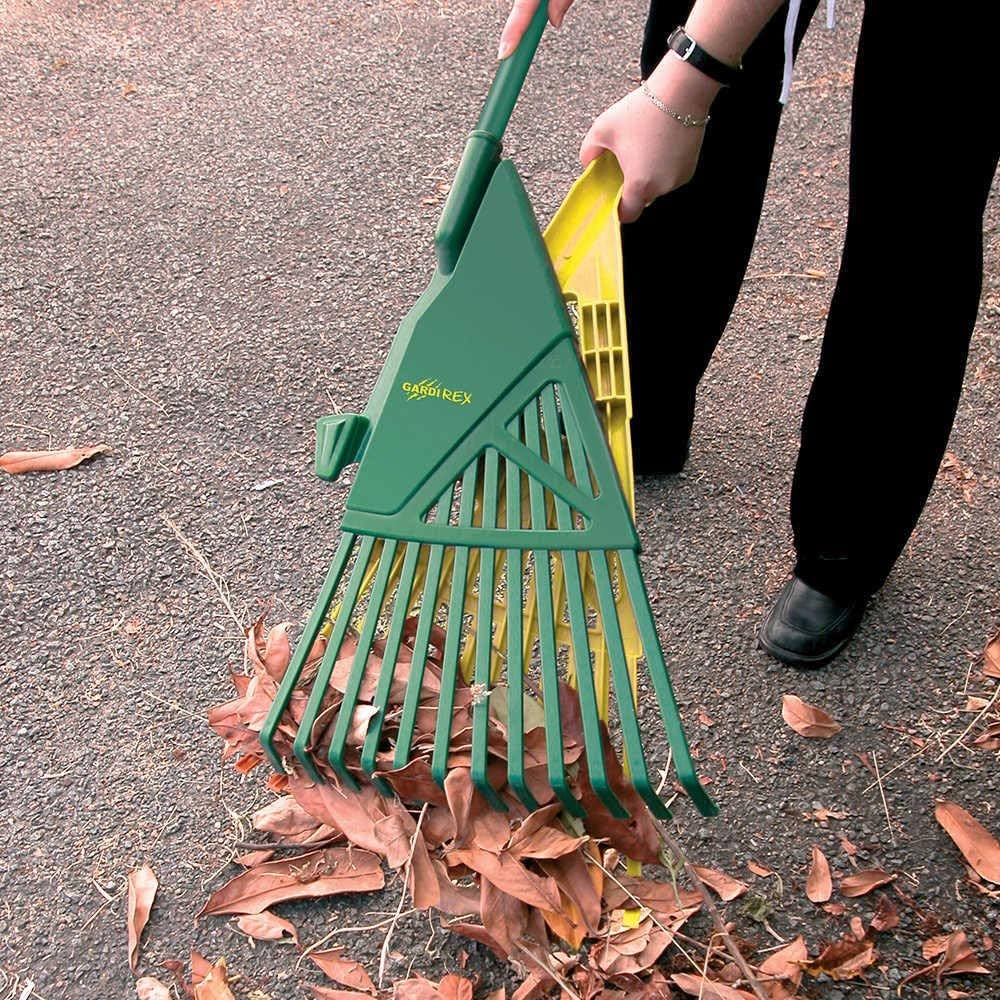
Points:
[547,631]
[345,713]
[308,638]
[515,643]
[585,689]
[386,675]
[484,639]
[425,622]
[662,686]
[340,627]
[453,637]
[624,695]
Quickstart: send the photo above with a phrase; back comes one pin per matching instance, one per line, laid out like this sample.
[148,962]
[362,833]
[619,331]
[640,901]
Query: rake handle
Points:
[482,150]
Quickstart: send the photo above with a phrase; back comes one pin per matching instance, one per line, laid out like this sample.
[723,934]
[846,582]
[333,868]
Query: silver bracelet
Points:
[688,121]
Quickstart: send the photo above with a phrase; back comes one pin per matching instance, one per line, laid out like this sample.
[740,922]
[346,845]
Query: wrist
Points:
[681,85]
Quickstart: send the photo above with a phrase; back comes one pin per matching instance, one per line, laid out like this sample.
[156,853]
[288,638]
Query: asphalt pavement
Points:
[212,218]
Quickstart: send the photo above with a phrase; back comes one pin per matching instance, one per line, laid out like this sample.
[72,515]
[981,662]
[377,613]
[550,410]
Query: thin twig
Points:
[885,805]
[221,587]
[713,910]
[135,388]
[893,770]
[350,930]
[955,621]
[407,868]
[972,725]
[315,845]
[556,977]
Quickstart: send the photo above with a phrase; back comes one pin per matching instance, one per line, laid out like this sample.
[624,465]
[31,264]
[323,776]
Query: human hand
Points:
[655,152]
[520,17]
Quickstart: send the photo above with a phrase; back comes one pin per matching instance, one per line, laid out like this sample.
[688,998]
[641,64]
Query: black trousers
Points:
[925,136]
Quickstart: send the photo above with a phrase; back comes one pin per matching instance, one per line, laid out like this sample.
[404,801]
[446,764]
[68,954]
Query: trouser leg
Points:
[924,146]
[686,256]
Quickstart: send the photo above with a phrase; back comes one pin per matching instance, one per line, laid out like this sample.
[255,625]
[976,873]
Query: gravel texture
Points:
[212,217]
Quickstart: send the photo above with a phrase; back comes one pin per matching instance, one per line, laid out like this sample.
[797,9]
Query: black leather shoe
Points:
[806,628]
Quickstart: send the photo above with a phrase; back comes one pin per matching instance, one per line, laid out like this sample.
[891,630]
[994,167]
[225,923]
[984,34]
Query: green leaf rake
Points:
[487,533]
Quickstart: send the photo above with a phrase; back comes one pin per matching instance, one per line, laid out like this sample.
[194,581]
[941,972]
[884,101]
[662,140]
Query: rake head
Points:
[486,602]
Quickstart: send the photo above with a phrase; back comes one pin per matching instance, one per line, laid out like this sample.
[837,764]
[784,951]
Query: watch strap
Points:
[689,51]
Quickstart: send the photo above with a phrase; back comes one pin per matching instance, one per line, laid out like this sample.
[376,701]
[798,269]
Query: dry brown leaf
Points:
[819,883]
[454,987]
[728,888]
[991,657]
[787,963]
[934,946]
[823,816]
[142,887]
[266,926]
[215,986]
[320,873]
[959,959]
[989,738]
[844,959]
[834,909]
[200,967]
[16,462]
[149,988]
[886,916]
[341,970]
[760,870]
[862,883]
[417,988]
[695,986]
[979,847]
[806,719]
[284,817]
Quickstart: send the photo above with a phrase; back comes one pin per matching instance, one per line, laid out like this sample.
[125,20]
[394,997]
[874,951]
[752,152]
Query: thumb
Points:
[632,204]
[591,148]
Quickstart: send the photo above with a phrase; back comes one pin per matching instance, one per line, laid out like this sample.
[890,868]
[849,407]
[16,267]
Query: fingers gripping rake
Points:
[488,552]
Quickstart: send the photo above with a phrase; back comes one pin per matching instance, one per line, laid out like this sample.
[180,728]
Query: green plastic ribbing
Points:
[390,660]
[309,636]
[484,636]
[547,631]
[453,637]
[515,639]
[683,763]
[586,692]
[345,713]
[421,641]
[624,697]
[340,626]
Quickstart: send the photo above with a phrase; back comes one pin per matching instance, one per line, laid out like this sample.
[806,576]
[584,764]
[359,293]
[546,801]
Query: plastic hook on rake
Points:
[306,642]
[303,738]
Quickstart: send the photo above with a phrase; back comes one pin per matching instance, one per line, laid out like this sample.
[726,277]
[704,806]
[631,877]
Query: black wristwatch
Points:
[691,52]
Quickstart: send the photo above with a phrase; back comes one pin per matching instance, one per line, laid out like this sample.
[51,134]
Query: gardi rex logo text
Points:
[428,388]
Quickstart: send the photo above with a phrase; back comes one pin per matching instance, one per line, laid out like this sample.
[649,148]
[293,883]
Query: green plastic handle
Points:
[482,151]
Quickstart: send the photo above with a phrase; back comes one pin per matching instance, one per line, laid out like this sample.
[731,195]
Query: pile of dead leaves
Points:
[543,891]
